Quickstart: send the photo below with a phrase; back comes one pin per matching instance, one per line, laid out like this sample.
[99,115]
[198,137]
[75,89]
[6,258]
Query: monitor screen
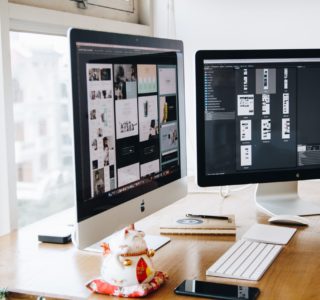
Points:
[126,117]
[258,116]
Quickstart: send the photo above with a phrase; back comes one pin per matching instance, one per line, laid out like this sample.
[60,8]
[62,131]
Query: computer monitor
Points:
[129,129]
[258,115]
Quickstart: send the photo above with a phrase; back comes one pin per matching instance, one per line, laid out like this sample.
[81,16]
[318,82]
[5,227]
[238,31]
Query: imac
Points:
[129,129]
[258,115]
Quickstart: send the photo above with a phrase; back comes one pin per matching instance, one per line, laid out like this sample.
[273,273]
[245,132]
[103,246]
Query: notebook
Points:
[191,225]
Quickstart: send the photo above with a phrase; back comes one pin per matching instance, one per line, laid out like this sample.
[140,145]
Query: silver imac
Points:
[129,129]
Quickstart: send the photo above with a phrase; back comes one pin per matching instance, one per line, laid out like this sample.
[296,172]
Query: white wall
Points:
[242,24]
[163,18]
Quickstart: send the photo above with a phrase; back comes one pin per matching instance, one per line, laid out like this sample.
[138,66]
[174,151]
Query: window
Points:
[122,10]
[40,71]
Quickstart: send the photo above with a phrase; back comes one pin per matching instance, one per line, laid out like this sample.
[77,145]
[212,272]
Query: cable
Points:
[224,191]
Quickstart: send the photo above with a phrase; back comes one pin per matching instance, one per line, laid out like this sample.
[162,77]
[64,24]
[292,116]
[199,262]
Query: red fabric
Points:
[141,290]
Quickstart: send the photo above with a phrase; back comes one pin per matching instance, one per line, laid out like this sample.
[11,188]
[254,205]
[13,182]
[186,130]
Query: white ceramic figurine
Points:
[127,259]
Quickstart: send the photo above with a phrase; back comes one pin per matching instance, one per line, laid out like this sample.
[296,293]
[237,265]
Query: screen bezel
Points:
[259,176]
[87,209]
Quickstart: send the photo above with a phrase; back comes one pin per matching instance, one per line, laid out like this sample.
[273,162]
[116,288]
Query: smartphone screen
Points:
[216,290]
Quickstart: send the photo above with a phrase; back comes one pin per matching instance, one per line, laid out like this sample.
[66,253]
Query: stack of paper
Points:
[191,225]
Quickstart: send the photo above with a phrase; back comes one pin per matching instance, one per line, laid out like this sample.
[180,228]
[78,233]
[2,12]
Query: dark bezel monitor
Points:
[257,116]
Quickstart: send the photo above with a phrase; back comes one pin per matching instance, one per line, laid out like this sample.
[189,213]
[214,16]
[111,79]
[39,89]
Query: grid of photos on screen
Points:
[101,128]
[133,125]
[168,116]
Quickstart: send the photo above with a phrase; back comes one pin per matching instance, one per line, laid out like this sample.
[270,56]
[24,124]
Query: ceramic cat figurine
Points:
[127,259]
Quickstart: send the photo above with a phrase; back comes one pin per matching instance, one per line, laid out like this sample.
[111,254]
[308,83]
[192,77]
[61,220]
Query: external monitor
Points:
[129,129]
[258,121]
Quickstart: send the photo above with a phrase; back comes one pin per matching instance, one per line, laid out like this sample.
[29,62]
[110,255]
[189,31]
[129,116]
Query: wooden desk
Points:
[58,271]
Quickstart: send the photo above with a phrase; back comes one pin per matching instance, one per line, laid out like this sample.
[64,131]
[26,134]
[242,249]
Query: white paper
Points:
[266,129]
[150,167]
[286,128]
[265,104]
[147,79]
[245,130]
[127,118]
[285,103]
[246,158]
[128,174]
[245,105]
[148,117]
[169,136]
[167,80]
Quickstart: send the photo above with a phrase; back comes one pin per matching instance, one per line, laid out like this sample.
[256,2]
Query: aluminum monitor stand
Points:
[281,198]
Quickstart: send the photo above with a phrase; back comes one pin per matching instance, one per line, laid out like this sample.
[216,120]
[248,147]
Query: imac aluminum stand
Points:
[281,198]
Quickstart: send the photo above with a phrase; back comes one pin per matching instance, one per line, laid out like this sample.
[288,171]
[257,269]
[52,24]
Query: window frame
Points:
[23,18]
[108,9]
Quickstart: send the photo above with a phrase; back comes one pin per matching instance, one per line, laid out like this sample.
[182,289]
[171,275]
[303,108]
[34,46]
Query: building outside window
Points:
[42,127]
[40,71]
[19,132]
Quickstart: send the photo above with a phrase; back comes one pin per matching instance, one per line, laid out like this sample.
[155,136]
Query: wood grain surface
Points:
[28,267]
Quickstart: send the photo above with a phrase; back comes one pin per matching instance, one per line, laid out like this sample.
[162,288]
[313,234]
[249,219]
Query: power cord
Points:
[224,191]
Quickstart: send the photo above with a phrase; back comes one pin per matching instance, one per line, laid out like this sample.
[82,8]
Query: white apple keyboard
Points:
[250,257]
[246,260]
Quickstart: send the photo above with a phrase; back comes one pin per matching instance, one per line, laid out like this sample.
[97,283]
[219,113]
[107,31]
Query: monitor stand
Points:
[281,198]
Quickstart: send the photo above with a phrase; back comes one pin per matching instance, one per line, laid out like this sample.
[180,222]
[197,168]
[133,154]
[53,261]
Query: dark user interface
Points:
[128,120]
[261,116]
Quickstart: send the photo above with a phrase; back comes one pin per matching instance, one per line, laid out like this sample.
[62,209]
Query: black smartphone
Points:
[214,290]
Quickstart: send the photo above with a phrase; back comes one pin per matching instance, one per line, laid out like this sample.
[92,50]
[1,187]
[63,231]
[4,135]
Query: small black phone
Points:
[214,290]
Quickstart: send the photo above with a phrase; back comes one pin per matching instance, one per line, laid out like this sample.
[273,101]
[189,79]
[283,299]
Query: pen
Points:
[208,217]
